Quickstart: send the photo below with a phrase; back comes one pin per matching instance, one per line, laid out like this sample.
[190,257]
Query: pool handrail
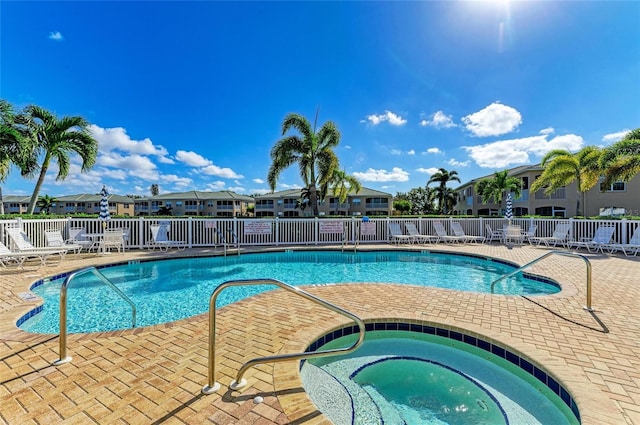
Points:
[548,254]
[213,386]
[63,307]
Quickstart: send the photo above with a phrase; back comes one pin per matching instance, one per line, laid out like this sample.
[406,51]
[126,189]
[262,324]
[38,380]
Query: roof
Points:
[296,193]
[199,195]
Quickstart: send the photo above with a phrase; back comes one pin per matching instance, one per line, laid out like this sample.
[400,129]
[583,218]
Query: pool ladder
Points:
[238,383]
[63,308]
[563,253]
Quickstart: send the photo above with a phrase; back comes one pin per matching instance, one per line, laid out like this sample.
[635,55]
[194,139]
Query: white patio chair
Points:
[459,232]
[160,238]
[55,240]
[513,234]
[600,240]
[492,235]
[417,236]
[77,236]
[18,258]
[22,243]
[630,248]
[112,238]
[396,235]
[560,236]
[444,236]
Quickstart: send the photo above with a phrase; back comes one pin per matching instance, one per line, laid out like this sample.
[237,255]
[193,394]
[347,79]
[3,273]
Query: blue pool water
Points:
[399,377]
[169,290]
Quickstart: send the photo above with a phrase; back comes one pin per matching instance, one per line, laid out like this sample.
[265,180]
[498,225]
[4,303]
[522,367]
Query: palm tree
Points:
[443,176]
[341,184]
[621,161]
[57,138]
[311,150]
[45,203]
[562,167]
[14,149]
[495,188]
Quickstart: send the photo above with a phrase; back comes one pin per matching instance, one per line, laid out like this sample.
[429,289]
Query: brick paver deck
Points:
[155,374]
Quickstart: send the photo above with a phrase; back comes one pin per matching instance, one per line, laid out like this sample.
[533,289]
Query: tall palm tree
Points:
[562,167]
[56,139]
[621,161]
[495,188]
[442,176]
[311,150]
[340,185]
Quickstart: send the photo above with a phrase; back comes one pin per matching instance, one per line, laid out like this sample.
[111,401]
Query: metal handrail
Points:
[213,386]
[564,253]
[63,308]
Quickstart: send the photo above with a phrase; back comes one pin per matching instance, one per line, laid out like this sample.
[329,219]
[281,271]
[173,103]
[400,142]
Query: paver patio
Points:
[155,374]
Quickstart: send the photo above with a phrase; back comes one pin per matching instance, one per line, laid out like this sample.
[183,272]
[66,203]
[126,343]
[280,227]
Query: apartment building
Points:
[286,203]
[72,204]
[620,198]
[195,203]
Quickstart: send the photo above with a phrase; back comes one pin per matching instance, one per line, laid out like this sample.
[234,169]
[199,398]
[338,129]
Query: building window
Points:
[615,187]
[525,183]
[356,202]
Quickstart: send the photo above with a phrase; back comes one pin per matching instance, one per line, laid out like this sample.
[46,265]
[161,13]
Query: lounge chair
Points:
[55,240]
[444,236]
[560,236]
[77,236]
[8,257]
[601,239]
[417,236]
[492,235]
[396,235]
[459,232]
[628,249]
[21,242]
[531,232]
[160,238]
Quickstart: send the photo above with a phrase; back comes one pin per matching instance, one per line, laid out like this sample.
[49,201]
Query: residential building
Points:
[72,204]
[196,203]
[561,203]
[286,203]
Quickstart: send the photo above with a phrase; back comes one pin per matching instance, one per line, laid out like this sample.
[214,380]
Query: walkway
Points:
[154,375]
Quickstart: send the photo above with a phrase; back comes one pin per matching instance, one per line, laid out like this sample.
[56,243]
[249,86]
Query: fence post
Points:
[277,230]
[623,233]
[190,232]
[141,241]
[235,231]
[571,224]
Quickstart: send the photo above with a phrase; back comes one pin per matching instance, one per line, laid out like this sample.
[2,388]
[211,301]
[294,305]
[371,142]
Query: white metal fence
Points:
[212,232]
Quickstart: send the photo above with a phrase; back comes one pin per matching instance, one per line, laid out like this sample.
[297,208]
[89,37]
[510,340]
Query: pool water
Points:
[399,377]
[169,290]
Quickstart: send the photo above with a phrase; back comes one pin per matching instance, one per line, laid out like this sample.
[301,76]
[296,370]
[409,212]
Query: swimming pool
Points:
[169,290]
[433,378]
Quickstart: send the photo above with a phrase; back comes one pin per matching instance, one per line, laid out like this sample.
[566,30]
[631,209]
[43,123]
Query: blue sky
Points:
[191,95]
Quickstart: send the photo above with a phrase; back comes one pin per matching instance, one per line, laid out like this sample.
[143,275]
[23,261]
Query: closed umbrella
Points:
[509,212]
[104,207]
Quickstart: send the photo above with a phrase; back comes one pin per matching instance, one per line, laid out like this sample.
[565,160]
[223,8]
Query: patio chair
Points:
[55,240]
[112,238]
[601,239]
[77,236]
[417,236]
[628,249]
[560,236]
[18,258]
[396,235]
[160,238]
[531,232]
[444,236]
[459,232]
[22,243]
[492,235]
[513,234]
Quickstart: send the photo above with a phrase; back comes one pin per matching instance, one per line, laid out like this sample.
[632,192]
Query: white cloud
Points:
[455,163]
[614,137]
[439,120]
[132,162]
[429,171]
[389,116]
[214,170]
[395,152]
[290,186]
[411,152]
[347,147]
[56,35]
[110,139]
[371,175]
[433,151]
[548,130]
[494,120]
[237,189]
[260,191]
[192,159]
[179,182]
[215,186]
[259,181]
[505,153]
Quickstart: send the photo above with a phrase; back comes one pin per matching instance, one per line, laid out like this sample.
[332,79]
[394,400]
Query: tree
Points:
[402,205]
[56,139]
[341,184]
[155,189]
[14,147]
[311,150]
[497,187]
[442,176]
[621,161]
[562,167]
[164,210]
[422,200]
[45,203]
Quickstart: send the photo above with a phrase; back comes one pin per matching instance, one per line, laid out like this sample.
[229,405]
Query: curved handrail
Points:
[213,386]
[564,253]
[63,308]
